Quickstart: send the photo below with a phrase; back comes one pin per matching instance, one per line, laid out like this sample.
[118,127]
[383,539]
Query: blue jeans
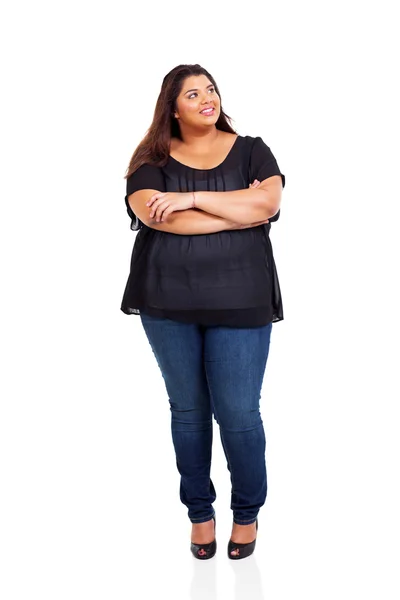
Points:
[214,371]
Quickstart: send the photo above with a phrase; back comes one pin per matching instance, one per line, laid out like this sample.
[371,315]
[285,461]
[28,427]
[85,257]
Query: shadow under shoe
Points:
[242,550]
[204,551]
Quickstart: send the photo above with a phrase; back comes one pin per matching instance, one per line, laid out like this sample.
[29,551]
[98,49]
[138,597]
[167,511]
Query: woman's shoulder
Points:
[251,139]
[248,144]
[145,167]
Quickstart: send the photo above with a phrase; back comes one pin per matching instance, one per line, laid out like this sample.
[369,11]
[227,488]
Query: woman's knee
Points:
[239,420]
[191,418]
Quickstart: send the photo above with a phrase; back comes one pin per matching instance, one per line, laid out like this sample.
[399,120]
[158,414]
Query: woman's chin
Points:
[209,122]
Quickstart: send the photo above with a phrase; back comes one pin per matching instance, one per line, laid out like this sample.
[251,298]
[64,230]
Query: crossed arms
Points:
[216,211]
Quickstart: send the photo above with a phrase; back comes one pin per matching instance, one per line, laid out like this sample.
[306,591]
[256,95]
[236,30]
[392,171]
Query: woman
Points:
[204,282]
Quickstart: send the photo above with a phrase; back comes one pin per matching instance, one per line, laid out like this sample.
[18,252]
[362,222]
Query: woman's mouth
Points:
[208,112]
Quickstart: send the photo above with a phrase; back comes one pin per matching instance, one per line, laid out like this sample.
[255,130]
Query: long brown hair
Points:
[155,146]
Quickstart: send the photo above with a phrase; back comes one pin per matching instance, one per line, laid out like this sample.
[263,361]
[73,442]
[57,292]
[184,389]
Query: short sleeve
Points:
[263,164]
[145,177]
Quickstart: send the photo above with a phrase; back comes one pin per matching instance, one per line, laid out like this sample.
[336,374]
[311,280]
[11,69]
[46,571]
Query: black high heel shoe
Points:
[243,550]
[204,551]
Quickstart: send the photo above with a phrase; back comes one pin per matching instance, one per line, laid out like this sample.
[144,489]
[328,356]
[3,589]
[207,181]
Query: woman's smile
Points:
[208,112]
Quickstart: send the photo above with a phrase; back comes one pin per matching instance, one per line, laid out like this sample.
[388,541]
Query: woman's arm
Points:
[192,222]
[185,222]
[246,205]
[240,206]
[197,222]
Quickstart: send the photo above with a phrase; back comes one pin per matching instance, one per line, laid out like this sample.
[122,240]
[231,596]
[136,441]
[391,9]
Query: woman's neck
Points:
[200,139]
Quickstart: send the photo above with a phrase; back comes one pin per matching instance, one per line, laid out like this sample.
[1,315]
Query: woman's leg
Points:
[235,361]
[178,348]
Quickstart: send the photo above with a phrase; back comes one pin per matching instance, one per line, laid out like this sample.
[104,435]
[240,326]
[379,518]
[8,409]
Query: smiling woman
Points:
[204,282]
[188,102]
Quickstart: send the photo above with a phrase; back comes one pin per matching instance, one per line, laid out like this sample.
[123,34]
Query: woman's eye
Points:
[194,94]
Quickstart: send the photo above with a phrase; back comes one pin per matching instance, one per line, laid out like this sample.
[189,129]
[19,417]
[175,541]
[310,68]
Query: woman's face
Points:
[198,103]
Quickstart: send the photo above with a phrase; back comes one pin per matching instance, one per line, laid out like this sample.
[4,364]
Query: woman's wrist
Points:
[197,199]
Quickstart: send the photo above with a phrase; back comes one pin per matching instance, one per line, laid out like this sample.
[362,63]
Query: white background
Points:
[89,488]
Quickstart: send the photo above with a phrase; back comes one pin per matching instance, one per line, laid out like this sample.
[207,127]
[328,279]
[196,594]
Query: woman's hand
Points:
[163,204]
[255,184]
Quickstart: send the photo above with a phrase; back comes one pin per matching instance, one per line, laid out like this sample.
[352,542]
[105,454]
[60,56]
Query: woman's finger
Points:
[157,208]
[154,207]
[255,184]
[155,197]
[160,210]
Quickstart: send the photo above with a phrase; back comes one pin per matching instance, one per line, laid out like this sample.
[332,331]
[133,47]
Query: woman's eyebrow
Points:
[197,89]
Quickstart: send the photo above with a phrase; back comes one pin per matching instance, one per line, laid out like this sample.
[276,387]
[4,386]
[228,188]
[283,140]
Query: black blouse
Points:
[226,278]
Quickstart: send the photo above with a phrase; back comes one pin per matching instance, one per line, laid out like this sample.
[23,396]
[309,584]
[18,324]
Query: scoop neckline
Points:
[212,168]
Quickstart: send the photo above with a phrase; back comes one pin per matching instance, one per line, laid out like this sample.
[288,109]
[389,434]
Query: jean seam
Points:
[244,521]
[203,521]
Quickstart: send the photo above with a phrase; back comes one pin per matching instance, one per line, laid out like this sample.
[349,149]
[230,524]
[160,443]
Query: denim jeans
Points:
[214,371]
